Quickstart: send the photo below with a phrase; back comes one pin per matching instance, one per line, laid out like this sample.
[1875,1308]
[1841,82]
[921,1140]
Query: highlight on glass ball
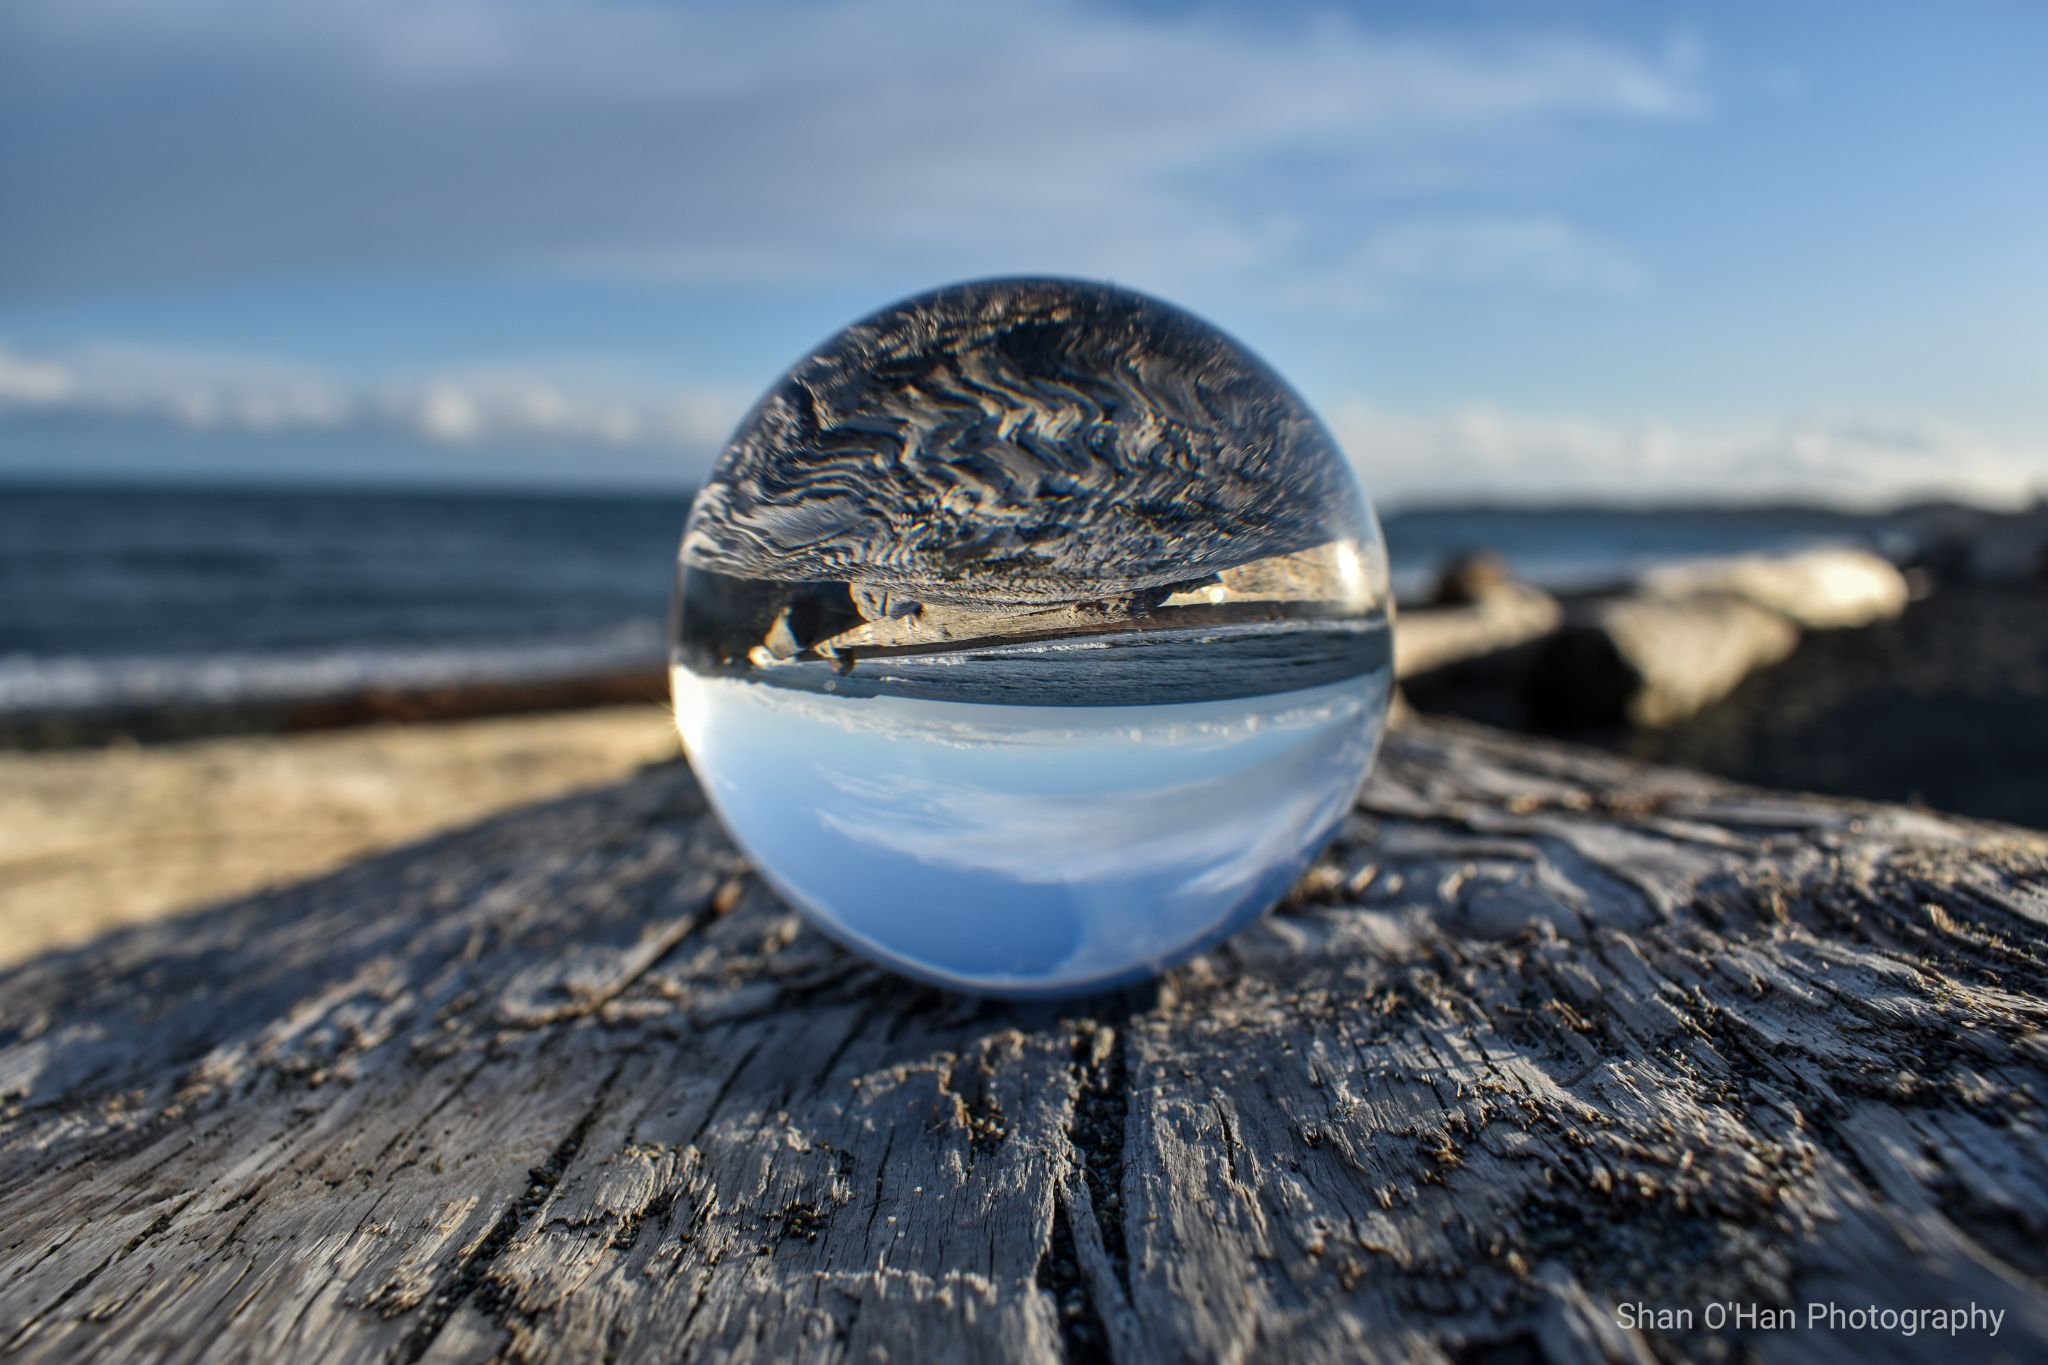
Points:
[1032,636]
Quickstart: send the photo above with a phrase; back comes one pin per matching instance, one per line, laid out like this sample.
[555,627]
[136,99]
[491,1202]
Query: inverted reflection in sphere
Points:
[1031,636]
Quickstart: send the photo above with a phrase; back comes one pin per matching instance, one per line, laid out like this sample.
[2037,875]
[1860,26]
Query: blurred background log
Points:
[1430,638]
[1544,1032]
[1648,660]
[1818,589]
[466,699]
[1970,545]
[1646,654]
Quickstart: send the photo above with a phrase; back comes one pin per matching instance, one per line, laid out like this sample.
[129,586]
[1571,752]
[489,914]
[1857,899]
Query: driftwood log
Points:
[1819,589]
[1649,660]
[1681,637]
[157,720]
[1432,638]
[1545,1034]
[1970,545]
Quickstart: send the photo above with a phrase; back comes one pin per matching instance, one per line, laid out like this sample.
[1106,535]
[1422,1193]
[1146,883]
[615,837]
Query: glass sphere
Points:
[1030,636]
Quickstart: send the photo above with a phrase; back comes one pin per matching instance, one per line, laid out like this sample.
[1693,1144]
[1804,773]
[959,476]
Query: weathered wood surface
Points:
[1543,1033]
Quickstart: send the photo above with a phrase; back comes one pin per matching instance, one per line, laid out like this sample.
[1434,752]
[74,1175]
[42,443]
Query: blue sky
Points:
[1514,250]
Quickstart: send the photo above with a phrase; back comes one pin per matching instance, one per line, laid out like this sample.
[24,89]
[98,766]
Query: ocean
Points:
[139,596]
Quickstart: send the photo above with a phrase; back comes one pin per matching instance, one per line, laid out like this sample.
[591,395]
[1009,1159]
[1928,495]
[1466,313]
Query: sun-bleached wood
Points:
[1506,615]
[1543,1033]
[1648,660]
[1824,589]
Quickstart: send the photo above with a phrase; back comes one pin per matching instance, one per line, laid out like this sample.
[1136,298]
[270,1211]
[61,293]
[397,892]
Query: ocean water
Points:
[1569,548]
[138,595]
[135,596]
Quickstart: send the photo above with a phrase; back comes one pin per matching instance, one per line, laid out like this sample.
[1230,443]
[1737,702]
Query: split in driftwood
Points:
[1545,1032]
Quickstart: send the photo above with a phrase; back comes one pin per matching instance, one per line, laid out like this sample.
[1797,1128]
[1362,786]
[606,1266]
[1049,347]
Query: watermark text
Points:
[1820,1315]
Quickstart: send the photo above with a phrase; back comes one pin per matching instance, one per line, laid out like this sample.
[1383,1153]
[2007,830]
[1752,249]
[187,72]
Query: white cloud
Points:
[782,142]
[582,404]
[158,390]
[23,380]
[1843,460]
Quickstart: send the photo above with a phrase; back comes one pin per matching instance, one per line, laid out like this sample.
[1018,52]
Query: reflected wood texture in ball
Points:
[1031,635]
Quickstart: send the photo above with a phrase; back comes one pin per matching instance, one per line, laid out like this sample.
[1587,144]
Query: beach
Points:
[1946,707]
[95,838]
[258,630]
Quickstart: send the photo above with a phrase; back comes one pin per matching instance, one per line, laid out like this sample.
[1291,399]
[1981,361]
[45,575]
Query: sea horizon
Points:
[138,594]
[1618,503]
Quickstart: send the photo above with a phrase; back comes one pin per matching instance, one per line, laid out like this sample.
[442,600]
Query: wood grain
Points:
[1543,1033]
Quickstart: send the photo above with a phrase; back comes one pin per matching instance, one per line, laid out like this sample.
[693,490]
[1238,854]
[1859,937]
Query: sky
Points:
[1512,251]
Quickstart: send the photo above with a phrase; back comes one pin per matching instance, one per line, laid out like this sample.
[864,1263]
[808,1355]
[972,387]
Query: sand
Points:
[94,838]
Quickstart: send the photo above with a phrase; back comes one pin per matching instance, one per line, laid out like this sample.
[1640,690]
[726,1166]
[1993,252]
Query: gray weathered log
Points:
[1506,615]
[1681,637]
[1543,1033]
[1824,589]
[1649,660]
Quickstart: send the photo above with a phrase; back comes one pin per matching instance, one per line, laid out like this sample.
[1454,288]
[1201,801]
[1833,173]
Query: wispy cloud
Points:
[603,412]
[155,391]
[783,142]
[1841,459]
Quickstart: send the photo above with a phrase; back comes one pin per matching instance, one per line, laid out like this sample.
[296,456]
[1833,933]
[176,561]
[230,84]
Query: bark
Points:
[1545,1032]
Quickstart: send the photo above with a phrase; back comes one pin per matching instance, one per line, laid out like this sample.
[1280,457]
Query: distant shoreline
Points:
[367,704]
[155,611]
[147,483]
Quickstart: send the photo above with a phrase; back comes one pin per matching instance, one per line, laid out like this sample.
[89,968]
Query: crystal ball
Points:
[1031,636]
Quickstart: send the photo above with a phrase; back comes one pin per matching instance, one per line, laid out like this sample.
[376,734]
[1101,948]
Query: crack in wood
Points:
[157,1227]
[472,1277]
[1083,1334]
